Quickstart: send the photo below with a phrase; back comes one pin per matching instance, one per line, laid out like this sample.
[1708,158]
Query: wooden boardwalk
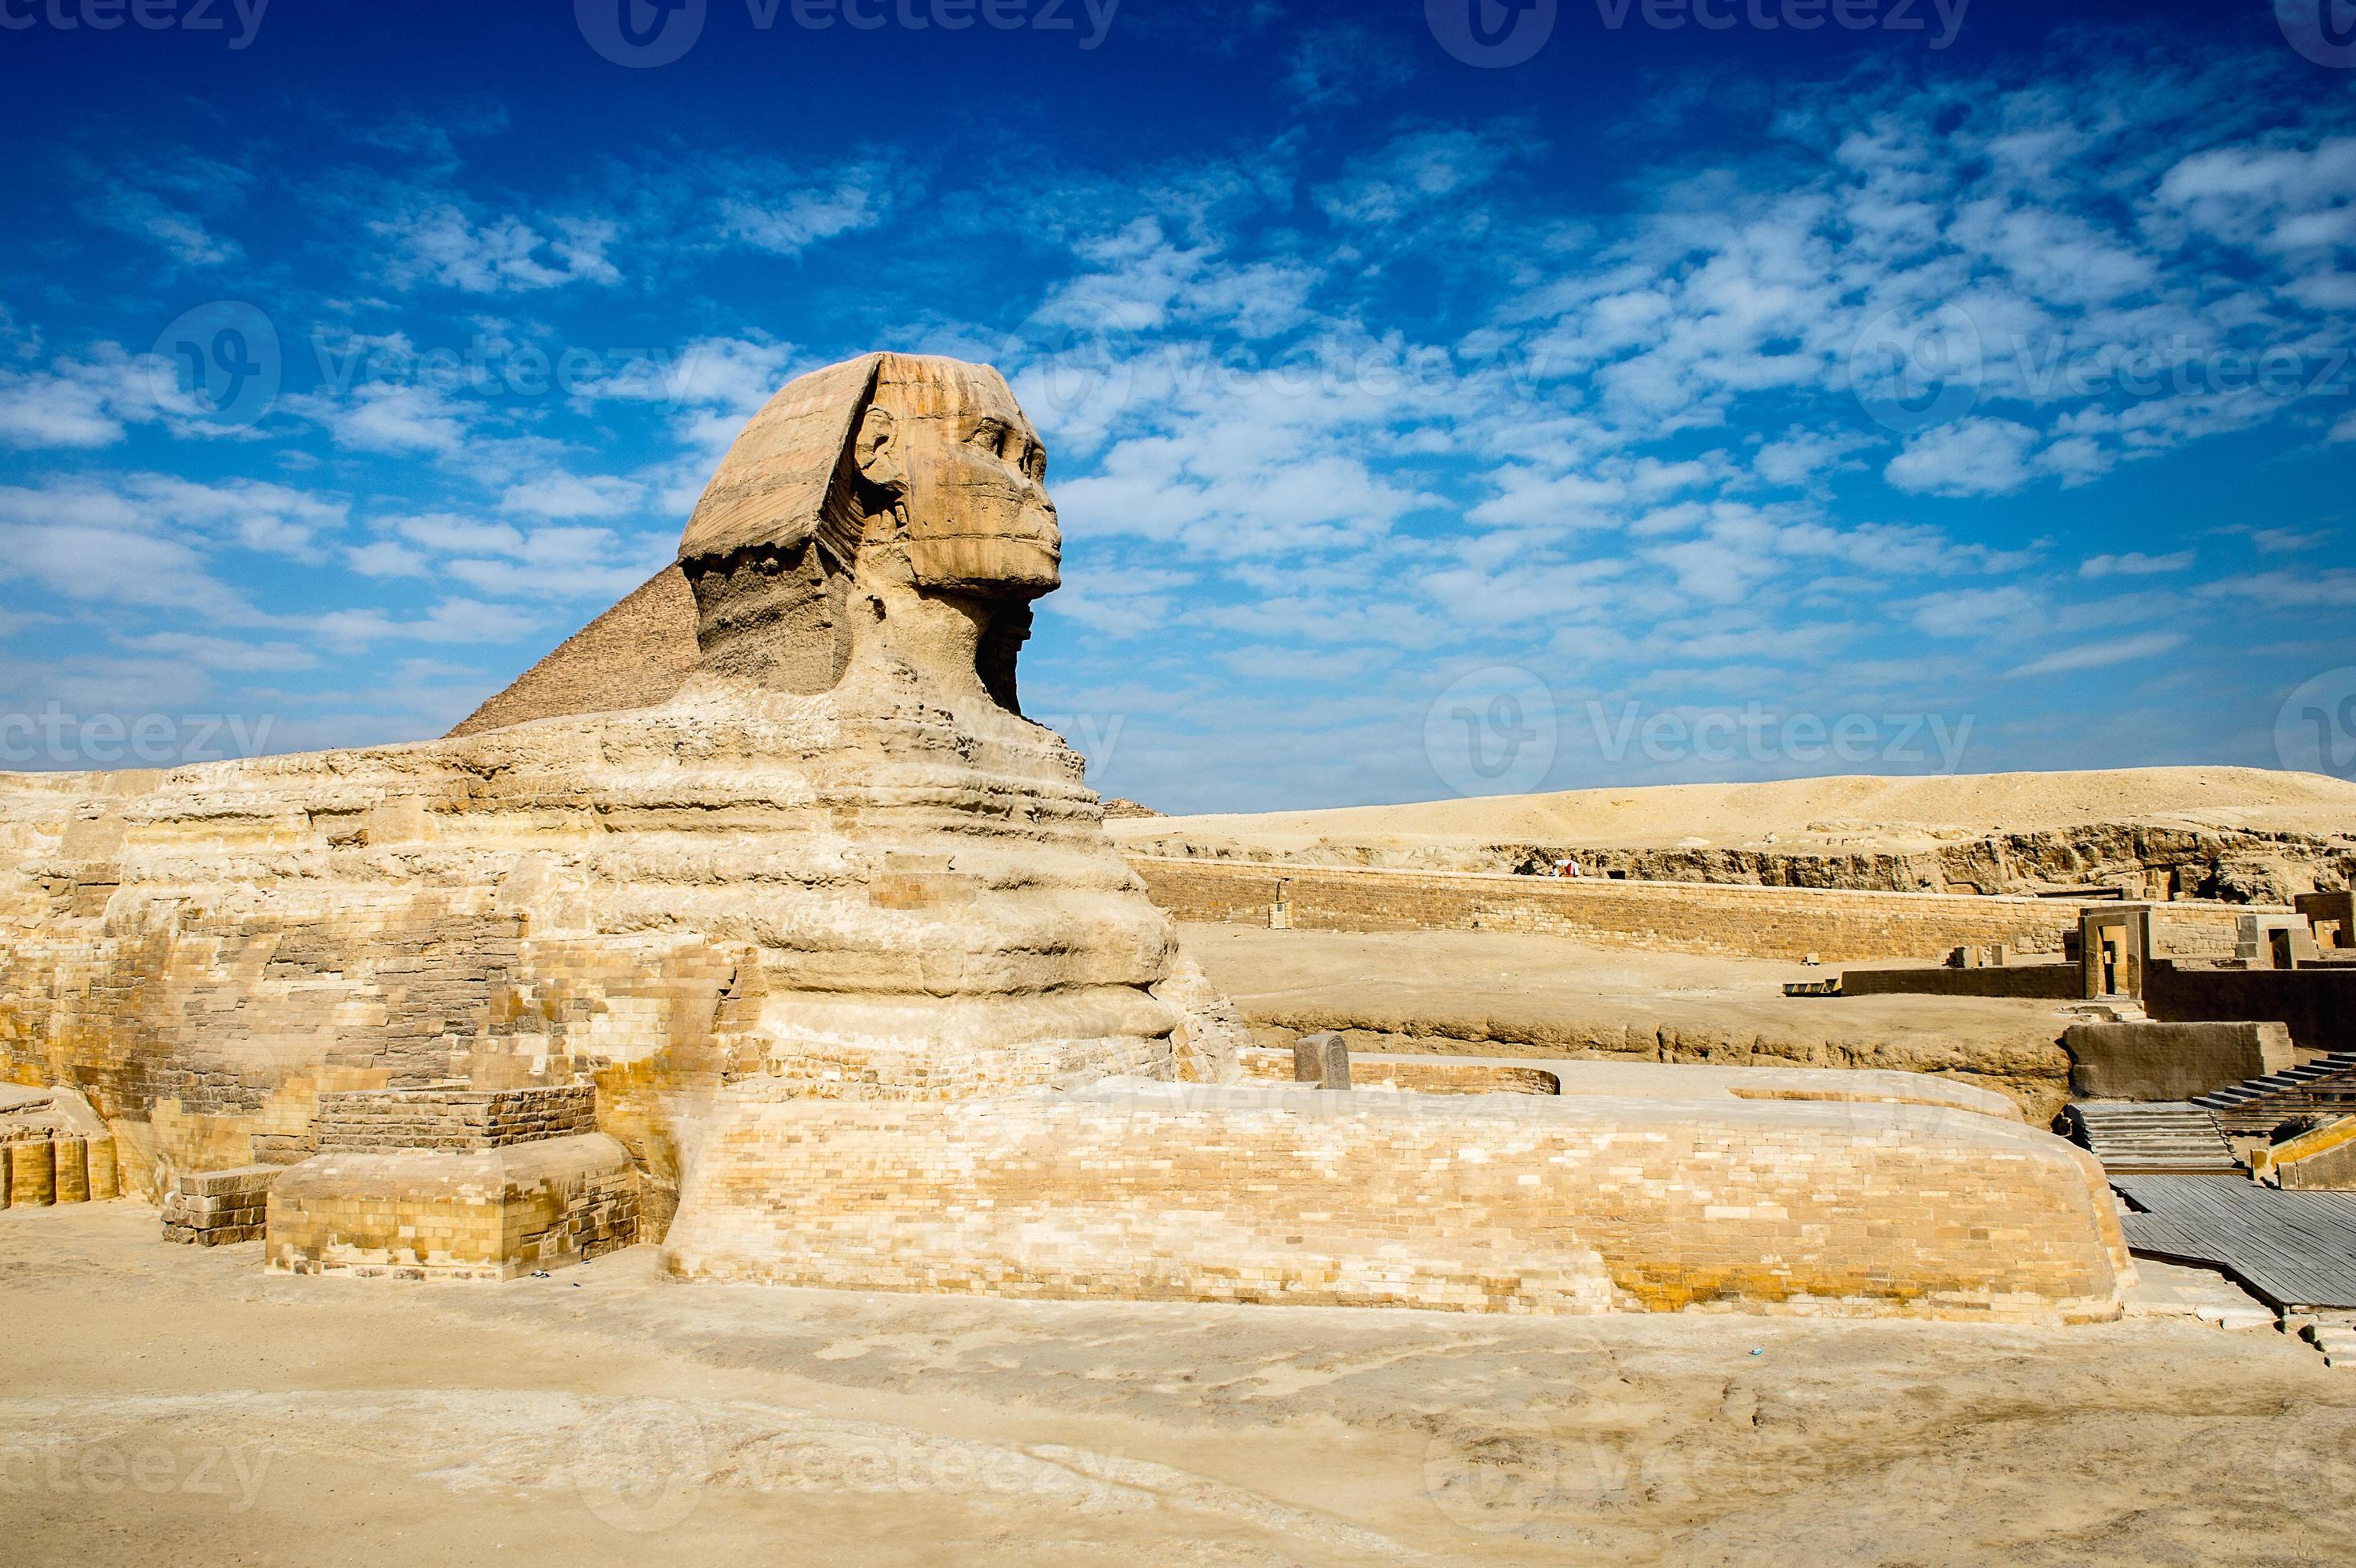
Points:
[2289,1248]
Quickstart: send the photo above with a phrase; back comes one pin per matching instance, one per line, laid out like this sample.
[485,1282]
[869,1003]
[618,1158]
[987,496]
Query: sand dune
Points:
[1865,812]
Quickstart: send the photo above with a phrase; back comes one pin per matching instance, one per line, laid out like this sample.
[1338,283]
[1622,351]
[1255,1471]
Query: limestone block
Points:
[1507,1203]
[2146,1061]
[105,1179]
[484,1214]
[218,1209]
[73,1170]
[1322,1059]
[32,1173]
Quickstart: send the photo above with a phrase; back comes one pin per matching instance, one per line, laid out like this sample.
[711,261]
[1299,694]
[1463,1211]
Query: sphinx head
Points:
[890,481]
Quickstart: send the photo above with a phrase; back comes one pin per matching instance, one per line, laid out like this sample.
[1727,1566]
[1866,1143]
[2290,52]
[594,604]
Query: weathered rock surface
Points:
[891,887]
[868,996]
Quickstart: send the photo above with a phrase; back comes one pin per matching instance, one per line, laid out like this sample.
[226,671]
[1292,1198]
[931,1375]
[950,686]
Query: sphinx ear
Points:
[876,449]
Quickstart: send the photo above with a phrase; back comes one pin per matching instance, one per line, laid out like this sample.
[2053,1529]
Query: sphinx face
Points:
[979,521]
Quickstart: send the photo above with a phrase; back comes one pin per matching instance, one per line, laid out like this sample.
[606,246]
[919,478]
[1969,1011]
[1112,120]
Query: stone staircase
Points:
[2173,1137]
[2326,1086]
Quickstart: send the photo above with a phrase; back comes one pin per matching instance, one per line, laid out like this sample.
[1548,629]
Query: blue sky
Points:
[1937,386]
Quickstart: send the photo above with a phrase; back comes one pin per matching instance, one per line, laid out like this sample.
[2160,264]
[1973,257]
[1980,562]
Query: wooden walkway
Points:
[2291,1249]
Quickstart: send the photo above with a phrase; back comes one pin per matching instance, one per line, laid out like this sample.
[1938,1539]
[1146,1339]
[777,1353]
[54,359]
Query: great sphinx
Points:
[769,859]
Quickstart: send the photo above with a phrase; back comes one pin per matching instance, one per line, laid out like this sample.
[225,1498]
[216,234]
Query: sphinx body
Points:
[867,997]
[831,861]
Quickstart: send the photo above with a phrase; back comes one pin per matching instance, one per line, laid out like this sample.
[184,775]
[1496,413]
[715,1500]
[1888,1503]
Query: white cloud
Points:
[1972,457]
[440,243]
[2102,655]
[1416,172]
[1974,612]
[82,402]
[2135,563]
[226,653]
[775,208]
[392,417]
[558,494]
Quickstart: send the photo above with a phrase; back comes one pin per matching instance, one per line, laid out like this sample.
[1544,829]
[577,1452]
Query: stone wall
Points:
[451,1117]
[489,1214]
[219,1208]
[1418,1075]
[2025,981]
[2171,1061]
[2318,1005]
[1744,921]
[1516,1203]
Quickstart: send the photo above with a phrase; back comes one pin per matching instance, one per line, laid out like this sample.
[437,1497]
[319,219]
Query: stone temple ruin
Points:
[793,949]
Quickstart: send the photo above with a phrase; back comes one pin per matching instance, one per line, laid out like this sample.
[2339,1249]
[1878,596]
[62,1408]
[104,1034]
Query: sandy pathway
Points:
[159,1404]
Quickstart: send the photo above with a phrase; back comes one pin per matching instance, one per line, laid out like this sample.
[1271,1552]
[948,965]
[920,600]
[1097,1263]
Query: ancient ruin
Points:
[817,967]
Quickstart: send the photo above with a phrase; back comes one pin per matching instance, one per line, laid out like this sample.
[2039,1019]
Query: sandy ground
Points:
[1873,814]
[1497,993]
[166,1405]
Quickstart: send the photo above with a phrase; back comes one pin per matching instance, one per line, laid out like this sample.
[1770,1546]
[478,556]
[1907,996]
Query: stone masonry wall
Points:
[1742,921]
[487,1214]
[1506,1203]
[451,1117]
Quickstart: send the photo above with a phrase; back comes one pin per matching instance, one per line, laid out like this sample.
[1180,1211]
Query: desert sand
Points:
[1507,993]
[161,1405]
[1889,814]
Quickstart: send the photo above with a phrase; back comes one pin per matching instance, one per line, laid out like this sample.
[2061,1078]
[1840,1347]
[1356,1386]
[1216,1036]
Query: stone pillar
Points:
[73,1170]
[106,1180]
[1322,1059]
[32,1173]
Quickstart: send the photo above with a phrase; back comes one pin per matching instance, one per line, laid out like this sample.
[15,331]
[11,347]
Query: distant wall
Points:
[2030,981]
[1677,916]
[2319,1005]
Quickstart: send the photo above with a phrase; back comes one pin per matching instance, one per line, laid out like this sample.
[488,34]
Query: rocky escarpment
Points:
[2230,864]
